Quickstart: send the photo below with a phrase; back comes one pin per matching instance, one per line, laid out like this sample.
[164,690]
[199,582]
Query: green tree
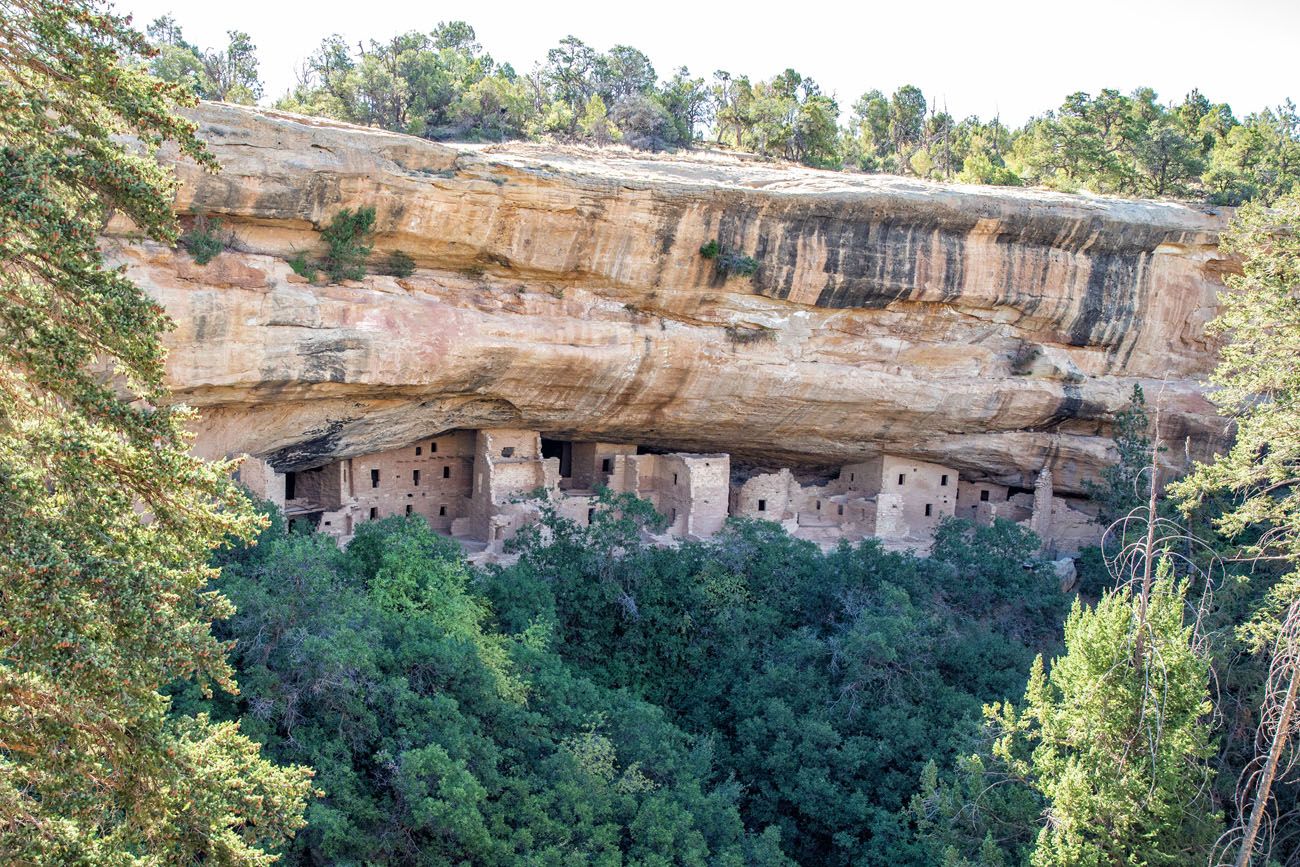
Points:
[227,75]
[441,739]
[1121,489]
[106,521]
[732,106]
[1257,386]
[595,124]
[823,681]
[789,117]
[175,59]
[438,85]
[1254,482]
[869,139]
[569,73]
[1258,159]
[1116,736]
[687,101]
[623,72]
[906,123]
[230,73]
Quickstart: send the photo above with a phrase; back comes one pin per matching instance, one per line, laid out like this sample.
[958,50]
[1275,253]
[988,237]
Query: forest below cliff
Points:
[444,85]
[744,700]
[183,680]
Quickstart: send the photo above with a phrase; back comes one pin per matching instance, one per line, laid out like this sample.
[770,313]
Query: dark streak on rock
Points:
[320,447]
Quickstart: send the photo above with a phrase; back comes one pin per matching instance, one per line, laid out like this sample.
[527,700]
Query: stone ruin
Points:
[482,487]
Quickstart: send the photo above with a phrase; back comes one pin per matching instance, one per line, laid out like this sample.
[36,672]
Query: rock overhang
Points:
[563,290]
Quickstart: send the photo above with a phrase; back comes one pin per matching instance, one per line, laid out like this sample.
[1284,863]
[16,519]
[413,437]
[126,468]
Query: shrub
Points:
[1022,360]
[736,263]
[644,123]
[348,238]
[203,241]
[726,262]
[302,267]
[398,264]
[742,334]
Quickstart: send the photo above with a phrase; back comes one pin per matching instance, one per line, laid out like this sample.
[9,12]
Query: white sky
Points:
[1016,57]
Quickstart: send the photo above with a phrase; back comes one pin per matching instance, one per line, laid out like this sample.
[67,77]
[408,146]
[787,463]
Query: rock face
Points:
[990,330]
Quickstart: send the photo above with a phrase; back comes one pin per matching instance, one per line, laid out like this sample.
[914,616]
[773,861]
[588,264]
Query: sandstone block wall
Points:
[970,495]
[768,496]
[926,493]
[709,486]
[593,462]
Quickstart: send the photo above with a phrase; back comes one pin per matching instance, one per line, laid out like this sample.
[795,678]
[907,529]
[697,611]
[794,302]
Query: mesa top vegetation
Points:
[444,85]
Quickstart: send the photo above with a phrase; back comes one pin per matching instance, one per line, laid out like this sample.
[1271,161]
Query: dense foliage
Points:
[780,704]
[439,739]
[106,522]
[743,701]
[1258,382]
[228,74]
[444,85]
[1116,738]
[823,681]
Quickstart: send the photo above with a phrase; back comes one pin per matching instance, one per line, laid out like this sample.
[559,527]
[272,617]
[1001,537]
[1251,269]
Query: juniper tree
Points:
[1116,736]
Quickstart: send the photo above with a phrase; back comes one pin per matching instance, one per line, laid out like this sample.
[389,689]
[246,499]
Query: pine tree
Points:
[1258,385]
[106,522]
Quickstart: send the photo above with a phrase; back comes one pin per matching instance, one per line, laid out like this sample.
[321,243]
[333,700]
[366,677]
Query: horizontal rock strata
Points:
[991,330]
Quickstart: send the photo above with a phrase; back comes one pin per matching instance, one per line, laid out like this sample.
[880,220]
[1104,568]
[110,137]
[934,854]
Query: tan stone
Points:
[989,330]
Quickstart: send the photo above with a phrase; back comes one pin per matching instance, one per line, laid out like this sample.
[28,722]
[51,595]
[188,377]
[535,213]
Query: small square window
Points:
[762,505]
[374,478]
[984,496]
[433,448]
[929,507]
[442,511]
[508,452]
[605,465]
[374,513]
[446,472]
[418,451]
[943,481]
[902,477]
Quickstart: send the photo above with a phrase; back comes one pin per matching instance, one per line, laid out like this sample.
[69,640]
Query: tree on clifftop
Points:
[106,523]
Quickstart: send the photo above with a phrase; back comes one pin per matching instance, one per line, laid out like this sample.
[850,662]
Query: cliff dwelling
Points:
[482,487]
[545,289]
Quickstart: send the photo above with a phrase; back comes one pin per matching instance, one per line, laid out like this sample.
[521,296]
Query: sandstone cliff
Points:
[991,330]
